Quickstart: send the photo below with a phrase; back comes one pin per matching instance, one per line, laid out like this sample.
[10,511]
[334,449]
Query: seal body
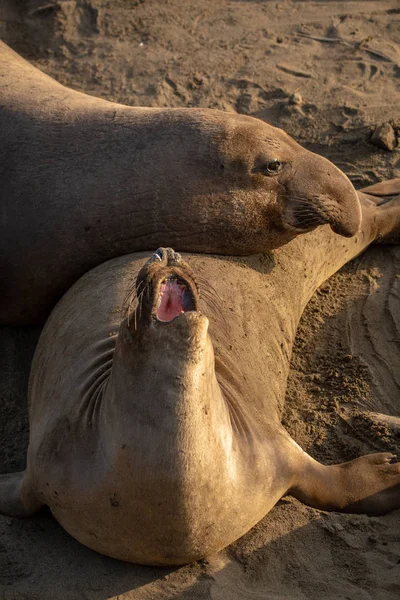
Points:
[83,180]
[155,408]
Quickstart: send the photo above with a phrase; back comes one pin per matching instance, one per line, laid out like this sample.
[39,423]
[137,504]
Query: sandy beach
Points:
[328,73]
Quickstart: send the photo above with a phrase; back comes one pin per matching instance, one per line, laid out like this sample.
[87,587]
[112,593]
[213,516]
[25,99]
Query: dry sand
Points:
[343,59]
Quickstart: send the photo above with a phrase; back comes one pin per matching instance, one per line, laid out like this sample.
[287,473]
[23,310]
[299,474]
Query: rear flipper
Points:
[392,423]
[381,217]
[369,484]
[384,188]
[16,498]
[380,205]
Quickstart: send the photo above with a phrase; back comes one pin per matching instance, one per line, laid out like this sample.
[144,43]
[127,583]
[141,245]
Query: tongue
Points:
[171,305]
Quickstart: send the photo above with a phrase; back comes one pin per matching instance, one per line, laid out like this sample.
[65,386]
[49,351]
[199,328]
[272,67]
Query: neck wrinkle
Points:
[163,404]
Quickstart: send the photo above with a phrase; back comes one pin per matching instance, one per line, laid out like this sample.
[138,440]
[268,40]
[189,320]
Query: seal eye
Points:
[273,166]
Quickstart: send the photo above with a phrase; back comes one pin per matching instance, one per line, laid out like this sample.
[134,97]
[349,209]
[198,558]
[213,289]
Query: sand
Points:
[328,72]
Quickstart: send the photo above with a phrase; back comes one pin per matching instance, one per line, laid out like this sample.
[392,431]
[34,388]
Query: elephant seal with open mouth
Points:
[155,431]
[83,180]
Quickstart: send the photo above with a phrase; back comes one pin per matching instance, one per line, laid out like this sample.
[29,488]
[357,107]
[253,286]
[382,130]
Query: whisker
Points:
[139,301]
[131,293]
[133,298]
[305,213]
[210,296]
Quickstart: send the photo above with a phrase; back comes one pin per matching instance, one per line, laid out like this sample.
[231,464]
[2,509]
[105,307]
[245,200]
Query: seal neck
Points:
[163,404]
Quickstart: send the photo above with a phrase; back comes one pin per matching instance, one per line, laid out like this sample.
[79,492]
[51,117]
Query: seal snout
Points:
[347,221]
[321,194]
[342,204]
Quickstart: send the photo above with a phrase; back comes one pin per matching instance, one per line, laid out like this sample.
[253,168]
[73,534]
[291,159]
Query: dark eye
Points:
[273,166]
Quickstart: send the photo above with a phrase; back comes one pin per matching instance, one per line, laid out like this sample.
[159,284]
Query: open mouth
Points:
[175,297]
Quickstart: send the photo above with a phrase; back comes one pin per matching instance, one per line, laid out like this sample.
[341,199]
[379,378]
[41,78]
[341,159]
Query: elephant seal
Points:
[155,427]
[83,180]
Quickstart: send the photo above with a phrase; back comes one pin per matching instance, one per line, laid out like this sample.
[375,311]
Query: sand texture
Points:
[328,73]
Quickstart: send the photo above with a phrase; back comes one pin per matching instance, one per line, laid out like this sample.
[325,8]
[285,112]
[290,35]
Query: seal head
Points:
[309,190]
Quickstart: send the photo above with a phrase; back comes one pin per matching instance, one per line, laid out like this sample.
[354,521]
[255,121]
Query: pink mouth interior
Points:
[174,299]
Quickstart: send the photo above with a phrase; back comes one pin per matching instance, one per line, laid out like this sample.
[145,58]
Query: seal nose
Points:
[166,255]
[343,207]
[348,221]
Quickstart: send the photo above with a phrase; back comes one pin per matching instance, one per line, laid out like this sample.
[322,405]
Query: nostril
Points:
[158,254]
[167,255]
[172,256]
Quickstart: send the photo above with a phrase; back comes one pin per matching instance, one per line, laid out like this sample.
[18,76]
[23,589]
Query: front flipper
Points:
[16,498]
[369,484]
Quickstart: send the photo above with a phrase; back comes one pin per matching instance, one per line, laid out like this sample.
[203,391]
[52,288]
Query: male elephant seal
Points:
[155,433]
[83,180]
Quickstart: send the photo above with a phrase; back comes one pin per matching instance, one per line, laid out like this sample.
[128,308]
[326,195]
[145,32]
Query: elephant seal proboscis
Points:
[83,180]
[155,430]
